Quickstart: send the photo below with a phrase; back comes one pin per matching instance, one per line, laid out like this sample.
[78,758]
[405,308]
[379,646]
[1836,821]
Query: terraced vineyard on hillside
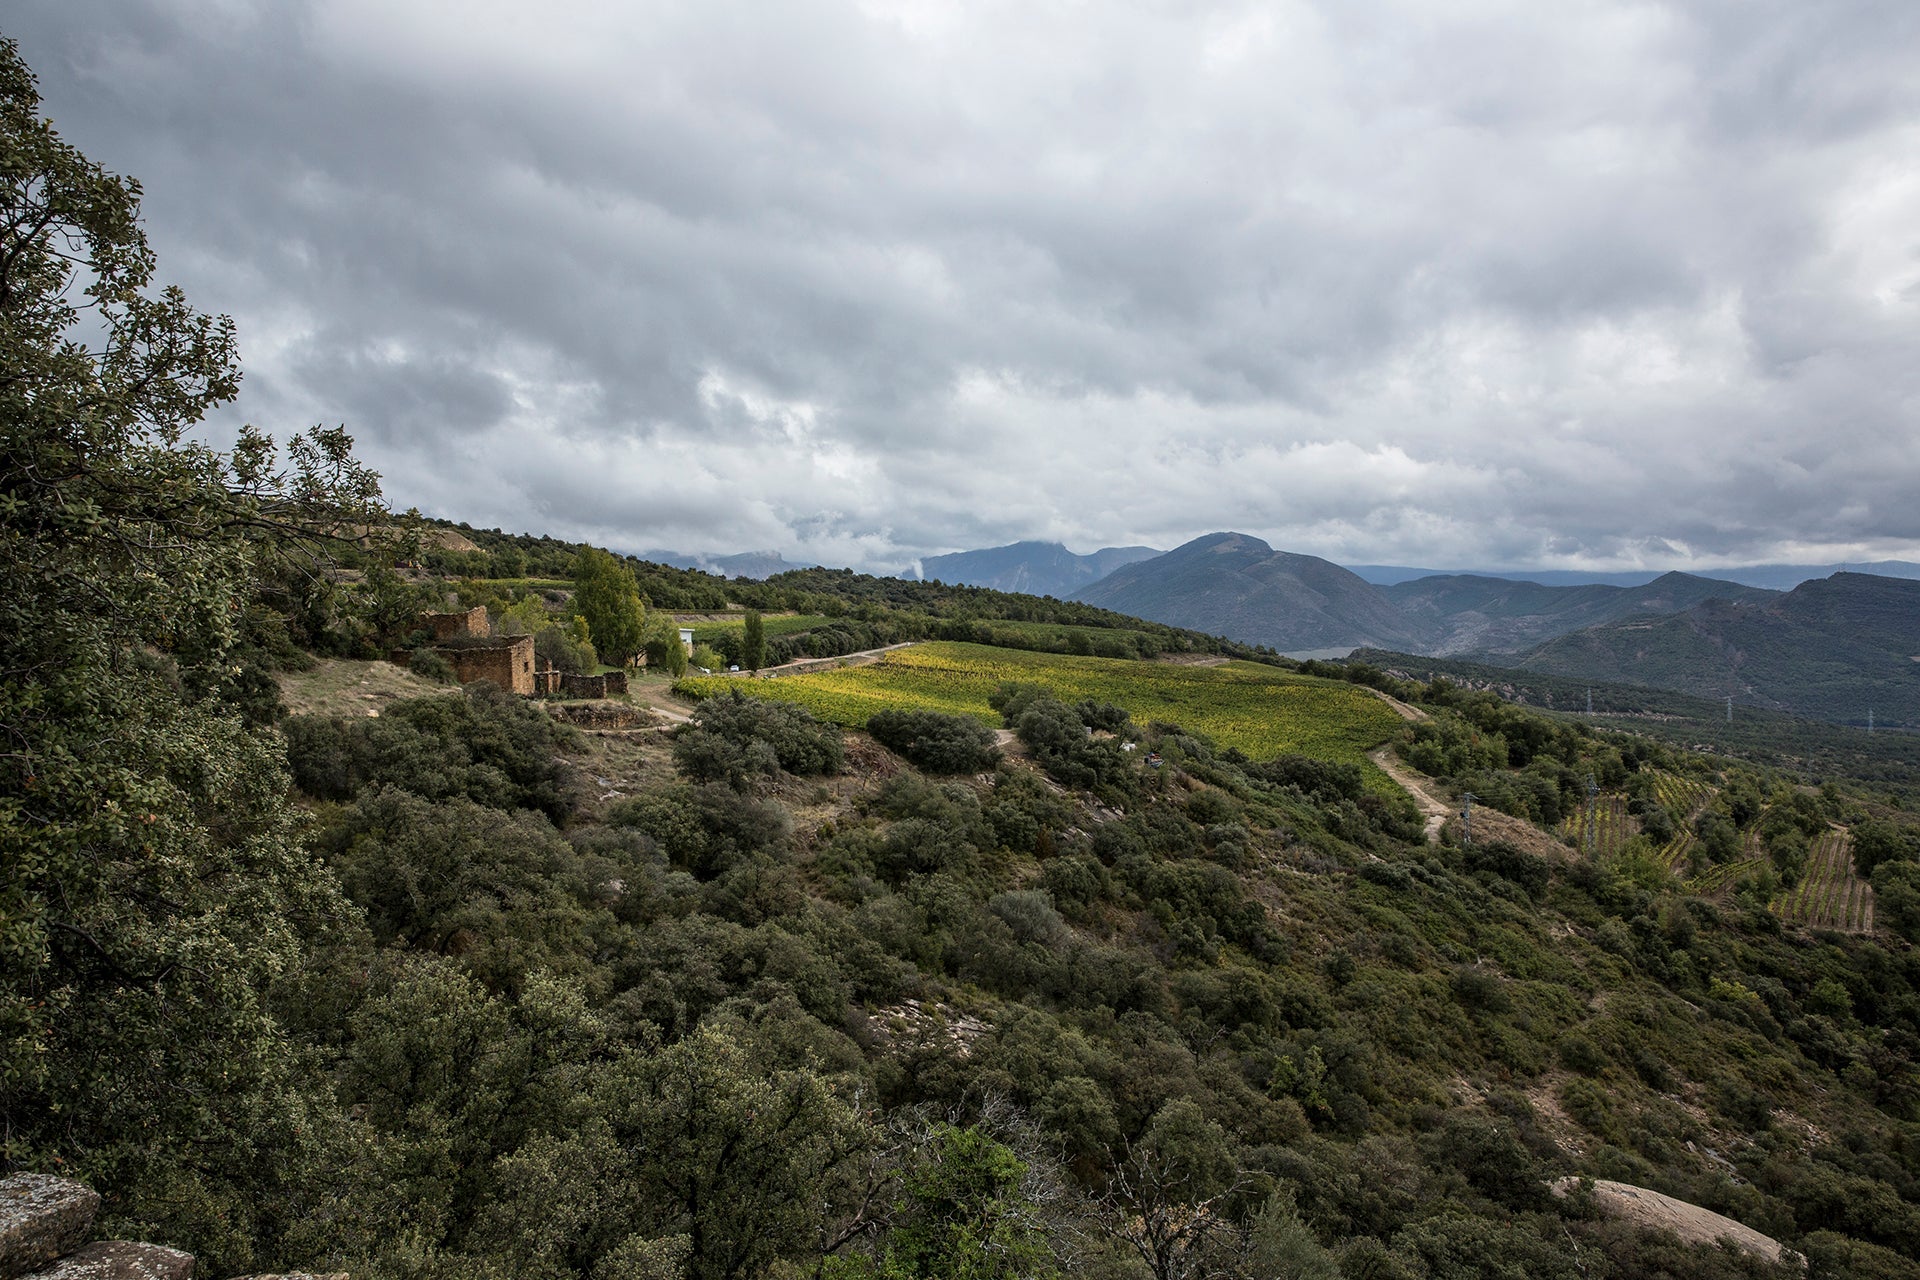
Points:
[1612,825]
[1717,882]
[1685,798]
[1262,711]
[1829,895]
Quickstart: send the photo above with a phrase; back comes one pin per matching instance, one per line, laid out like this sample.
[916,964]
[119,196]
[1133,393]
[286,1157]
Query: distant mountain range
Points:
[1459,613]
[1832,649]
[1776,577]
[1035,568]
[1235,585]
[745,564]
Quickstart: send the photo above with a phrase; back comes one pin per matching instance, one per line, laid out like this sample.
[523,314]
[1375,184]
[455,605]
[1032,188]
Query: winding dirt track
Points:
[1436,809]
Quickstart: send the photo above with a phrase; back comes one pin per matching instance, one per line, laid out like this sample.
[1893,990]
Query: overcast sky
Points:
[1460,283]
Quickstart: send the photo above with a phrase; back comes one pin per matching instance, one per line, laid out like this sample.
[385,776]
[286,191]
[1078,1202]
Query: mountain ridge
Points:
[1032,567]
[1834,648]
[1234,584]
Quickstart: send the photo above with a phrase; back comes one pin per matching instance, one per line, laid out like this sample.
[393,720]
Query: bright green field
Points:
[1262,711]
[773,624]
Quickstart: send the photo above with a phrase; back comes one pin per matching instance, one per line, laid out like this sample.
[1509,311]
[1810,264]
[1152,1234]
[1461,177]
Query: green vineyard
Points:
[1829,895]
[1262,711]
[1685,799]
[1718,881]
[1613,826]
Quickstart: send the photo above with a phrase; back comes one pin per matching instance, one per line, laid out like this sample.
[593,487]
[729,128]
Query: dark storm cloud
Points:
[1503,284]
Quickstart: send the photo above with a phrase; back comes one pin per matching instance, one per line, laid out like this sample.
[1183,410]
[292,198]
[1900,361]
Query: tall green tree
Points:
[753,642]
[607,596]
[153,886]
[664,650]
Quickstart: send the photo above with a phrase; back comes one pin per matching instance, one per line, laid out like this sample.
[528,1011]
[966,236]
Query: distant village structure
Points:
[467,642]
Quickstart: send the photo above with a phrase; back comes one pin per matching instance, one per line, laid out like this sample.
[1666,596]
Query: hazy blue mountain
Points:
[1237,586]
[1776,577]
[1036,568]
[745,564]
[1461,613]
[1785,577]
[1832,648]
[1389,575]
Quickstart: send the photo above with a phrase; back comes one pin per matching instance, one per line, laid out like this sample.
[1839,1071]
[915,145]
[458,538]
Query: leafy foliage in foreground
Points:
[153,887]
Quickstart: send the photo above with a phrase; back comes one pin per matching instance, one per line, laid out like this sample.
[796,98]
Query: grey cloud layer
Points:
[1501,284]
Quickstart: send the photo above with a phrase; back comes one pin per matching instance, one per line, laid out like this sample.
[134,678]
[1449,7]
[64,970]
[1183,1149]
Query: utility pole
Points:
[1466,819]
[1729,708]
[1869,722]
[1593,793]
[1589,699]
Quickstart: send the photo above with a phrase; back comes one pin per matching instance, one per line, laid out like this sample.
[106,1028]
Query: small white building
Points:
[686,640]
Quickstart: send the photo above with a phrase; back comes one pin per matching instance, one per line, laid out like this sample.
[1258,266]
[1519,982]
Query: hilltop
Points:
[1234,585]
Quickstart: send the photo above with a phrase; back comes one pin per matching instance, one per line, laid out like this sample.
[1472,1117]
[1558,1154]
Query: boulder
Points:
[120,1260]
[42,1217]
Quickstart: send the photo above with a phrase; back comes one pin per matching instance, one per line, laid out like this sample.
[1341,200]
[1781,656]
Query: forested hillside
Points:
[1462,612]
[442,987]
[1835,648]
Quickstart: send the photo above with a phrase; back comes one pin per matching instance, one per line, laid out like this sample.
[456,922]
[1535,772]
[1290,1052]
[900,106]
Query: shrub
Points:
[1322,780]
[734,738]
[1476,988]
[705,830]
[936,742]
[429,665]
[1029,913]
[491,747]
[1510,863]
[1582,1055]
[565,649]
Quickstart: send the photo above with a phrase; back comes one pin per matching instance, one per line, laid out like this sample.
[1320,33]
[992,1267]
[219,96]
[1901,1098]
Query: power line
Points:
[1593,792]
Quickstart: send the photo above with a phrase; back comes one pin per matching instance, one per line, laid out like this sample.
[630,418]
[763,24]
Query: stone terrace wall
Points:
[607,685]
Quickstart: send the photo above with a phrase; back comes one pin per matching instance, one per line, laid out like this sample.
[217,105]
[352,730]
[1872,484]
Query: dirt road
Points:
[1436,810]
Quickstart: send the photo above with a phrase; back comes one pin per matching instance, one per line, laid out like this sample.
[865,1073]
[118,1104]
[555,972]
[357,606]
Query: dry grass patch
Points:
[349,688]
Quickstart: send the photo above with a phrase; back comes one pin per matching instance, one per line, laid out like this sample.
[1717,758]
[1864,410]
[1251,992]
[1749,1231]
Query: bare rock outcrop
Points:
[44,1225]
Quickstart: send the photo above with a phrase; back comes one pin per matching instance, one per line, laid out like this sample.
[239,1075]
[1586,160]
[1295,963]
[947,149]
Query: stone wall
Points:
[45,1223]
[445,626]
[611,684]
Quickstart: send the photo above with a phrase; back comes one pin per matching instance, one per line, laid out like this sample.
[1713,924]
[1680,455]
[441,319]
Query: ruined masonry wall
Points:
[446,626]
[508,663]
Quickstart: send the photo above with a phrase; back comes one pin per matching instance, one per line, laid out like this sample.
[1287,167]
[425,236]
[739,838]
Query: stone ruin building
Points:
[467,642]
